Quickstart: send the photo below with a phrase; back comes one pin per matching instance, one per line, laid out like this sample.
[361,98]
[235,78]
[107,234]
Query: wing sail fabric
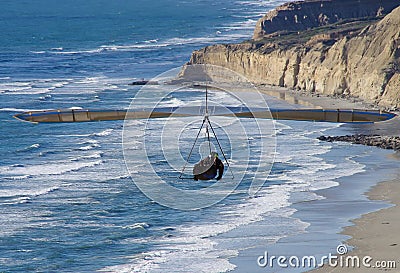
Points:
[85,115]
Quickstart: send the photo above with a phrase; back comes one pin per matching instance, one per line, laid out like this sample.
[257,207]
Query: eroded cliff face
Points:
[364,64]
[302,15]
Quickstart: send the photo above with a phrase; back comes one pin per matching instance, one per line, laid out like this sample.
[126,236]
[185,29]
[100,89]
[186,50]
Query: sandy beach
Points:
[313,100]
[375,234]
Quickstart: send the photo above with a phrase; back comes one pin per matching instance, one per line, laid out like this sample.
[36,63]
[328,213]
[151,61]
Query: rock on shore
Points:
[385,142]
[358,58]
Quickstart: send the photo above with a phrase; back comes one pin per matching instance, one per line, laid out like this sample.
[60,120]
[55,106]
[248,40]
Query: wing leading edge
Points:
[323,115]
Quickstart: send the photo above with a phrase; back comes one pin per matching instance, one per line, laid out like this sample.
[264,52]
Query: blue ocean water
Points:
[67,203]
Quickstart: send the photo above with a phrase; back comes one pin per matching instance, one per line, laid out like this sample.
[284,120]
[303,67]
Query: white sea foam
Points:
[38,86]
[89,156]
[15,110]
[106,132]
[17,177]
[305,151]
[60,84]
[124,176]
[261,4]
[88,85]
[89,147]
[234,31]
[245,25]
[21,193]
[141,225]
[225,97]
[89,141]
[177,41]
[17,200]
[195,246]
[151,41]
[32,147]
[49,168]
[15,87]
[174,102]
[95,155]
[248,15]
[90,80]
[88,51]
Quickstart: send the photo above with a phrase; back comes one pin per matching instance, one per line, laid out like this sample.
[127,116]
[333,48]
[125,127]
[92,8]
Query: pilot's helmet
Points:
[214,154]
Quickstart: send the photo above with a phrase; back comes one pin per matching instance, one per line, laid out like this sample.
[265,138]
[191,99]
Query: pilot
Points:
[208,167]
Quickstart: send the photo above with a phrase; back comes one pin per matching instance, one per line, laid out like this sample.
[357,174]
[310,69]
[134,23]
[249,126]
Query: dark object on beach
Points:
[384,142]
[144,82]
[208,167]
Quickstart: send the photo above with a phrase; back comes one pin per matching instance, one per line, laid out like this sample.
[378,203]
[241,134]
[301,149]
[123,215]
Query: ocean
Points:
[67,200]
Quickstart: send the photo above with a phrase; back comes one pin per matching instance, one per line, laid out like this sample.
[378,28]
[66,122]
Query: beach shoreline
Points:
[314,100]
[373,234]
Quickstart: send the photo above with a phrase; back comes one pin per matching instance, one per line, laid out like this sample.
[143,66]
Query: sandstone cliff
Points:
[357,61]
[302,15]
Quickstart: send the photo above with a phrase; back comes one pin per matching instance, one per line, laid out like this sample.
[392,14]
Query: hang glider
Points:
[323,115]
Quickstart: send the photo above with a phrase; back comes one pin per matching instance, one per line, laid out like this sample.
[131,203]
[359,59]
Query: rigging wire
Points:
[220,148]
[191,150]
[207,122]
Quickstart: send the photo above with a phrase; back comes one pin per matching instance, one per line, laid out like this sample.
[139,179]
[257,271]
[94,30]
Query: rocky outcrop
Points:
[302,15]
[385,142]
[358,59]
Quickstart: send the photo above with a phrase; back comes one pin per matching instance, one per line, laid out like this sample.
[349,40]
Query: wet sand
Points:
[314,100]
[376,234]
